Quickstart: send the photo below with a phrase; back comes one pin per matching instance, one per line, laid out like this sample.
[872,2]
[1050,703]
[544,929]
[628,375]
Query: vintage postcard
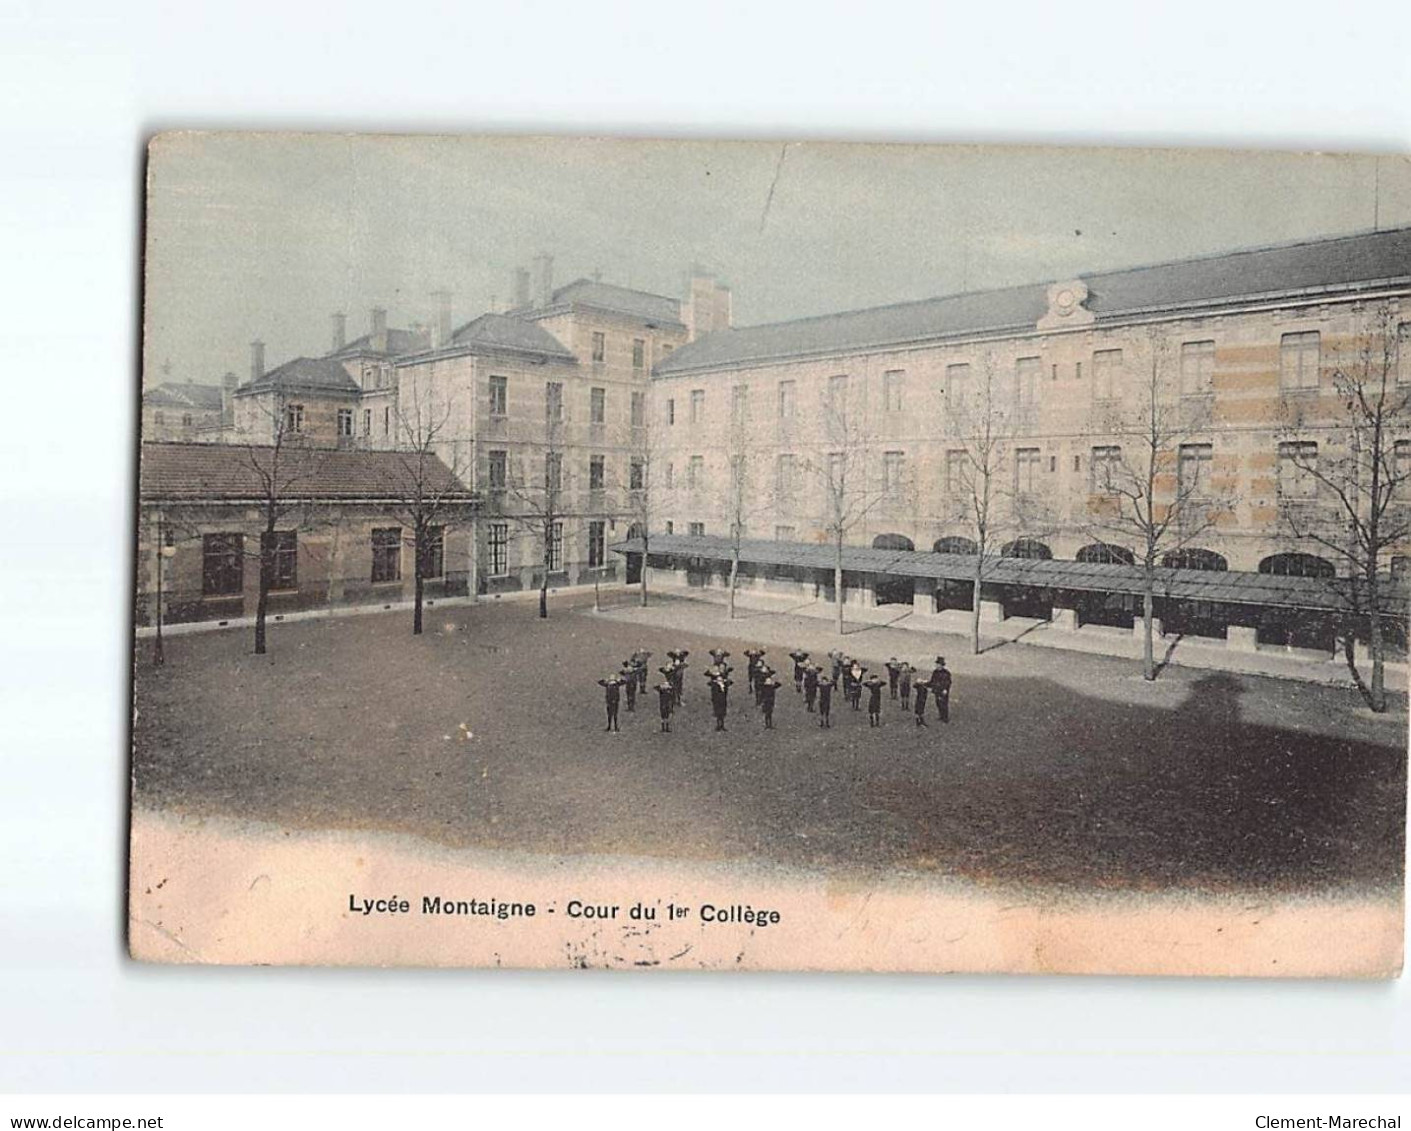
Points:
[581,553]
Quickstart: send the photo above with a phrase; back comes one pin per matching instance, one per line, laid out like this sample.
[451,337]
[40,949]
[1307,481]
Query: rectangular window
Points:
[1103,469]
[345,423]
[553,471]
[639,353]
[636,474]
[670,476]
[1193,469]
[1403,354]
[737,475]
[671,410]
[1197,368]
[1401,466]
[387,554]
[555,547]
[1107,373]
[670,526]
[1026,382]
[367,422]
[784,471]
[956,465]
[784,533]
[222,565]
[499,546]
[433,552]
[597,406]
[553,401]
[499,396]
[387,421]
[739,404]
[595,473]
[1298,465]
[697,405]
[697,529]
[695,473]
[284,559]
[1299,357]
[600,347]
[893,468]
[639,410]
[498,470]
[957,385]
[596,542]
[788,391]
[893,389]
[838,395]
[294,419]
[1028,462]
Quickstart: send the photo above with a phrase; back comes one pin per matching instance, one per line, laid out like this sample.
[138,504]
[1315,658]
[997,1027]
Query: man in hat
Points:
[612,689]
[800,658]
[628,676]
[719,700]
[940,689]
[768,685]
[825,700]
[874,684]
[893,675]
[666,701]
[810,685]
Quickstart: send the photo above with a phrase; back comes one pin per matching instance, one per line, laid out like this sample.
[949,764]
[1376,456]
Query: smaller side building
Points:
[344,530]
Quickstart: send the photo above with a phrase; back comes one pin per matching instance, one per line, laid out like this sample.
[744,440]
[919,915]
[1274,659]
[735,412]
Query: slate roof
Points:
[1331,265]
[506,332]
[184,394]
[318,374]
[608,296]
[398,343]
[1186,584]
[215,472]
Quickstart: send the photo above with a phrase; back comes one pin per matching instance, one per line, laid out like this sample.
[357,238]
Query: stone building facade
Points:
[1241,357]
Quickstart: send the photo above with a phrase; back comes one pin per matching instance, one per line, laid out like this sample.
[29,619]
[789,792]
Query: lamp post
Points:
[164,551]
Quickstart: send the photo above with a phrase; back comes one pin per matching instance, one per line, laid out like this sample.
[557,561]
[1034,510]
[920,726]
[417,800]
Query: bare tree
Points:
[1153,486]
[1358,510]
[428,494]
[538,497]
[741,503]
[844,473]
[639,499]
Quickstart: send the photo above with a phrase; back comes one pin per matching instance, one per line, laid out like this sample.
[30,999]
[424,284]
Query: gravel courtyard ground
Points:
[1060,770]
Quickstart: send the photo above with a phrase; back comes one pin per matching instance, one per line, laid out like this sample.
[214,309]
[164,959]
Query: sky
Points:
[266,235]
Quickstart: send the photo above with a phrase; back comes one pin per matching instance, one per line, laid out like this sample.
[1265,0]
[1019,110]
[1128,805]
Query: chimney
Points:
[544,279]
[257,360]
[340,331]
[707,306]
[441,336]
[521,286]
[379,330]
[227,404]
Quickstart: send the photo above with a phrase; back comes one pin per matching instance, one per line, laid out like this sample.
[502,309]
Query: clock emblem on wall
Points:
[1065,306]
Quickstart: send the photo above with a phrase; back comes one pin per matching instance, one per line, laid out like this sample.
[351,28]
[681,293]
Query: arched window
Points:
[1196,559]
[893,542]
[954,545]
[1026,548]
[1106,553]
[1297,565]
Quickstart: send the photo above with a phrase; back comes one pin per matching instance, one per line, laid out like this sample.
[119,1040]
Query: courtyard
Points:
[1060,771]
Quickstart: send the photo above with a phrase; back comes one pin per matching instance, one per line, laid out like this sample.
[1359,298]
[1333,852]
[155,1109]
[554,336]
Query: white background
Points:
[83,84]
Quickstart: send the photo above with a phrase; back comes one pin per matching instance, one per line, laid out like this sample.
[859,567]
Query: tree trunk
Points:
[838,585]
[1377,699]
[644,570]
[420,592]
[266,577]
[734,573]
[1148,605]
[544,595]
[975,606]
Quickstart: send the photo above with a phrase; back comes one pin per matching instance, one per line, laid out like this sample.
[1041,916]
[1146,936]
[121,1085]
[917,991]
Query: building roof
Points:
[184,394]
[1346,263]
[177,472]
[316,374]
[1185,584]
[398,343]
[608,296]
[506,332]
